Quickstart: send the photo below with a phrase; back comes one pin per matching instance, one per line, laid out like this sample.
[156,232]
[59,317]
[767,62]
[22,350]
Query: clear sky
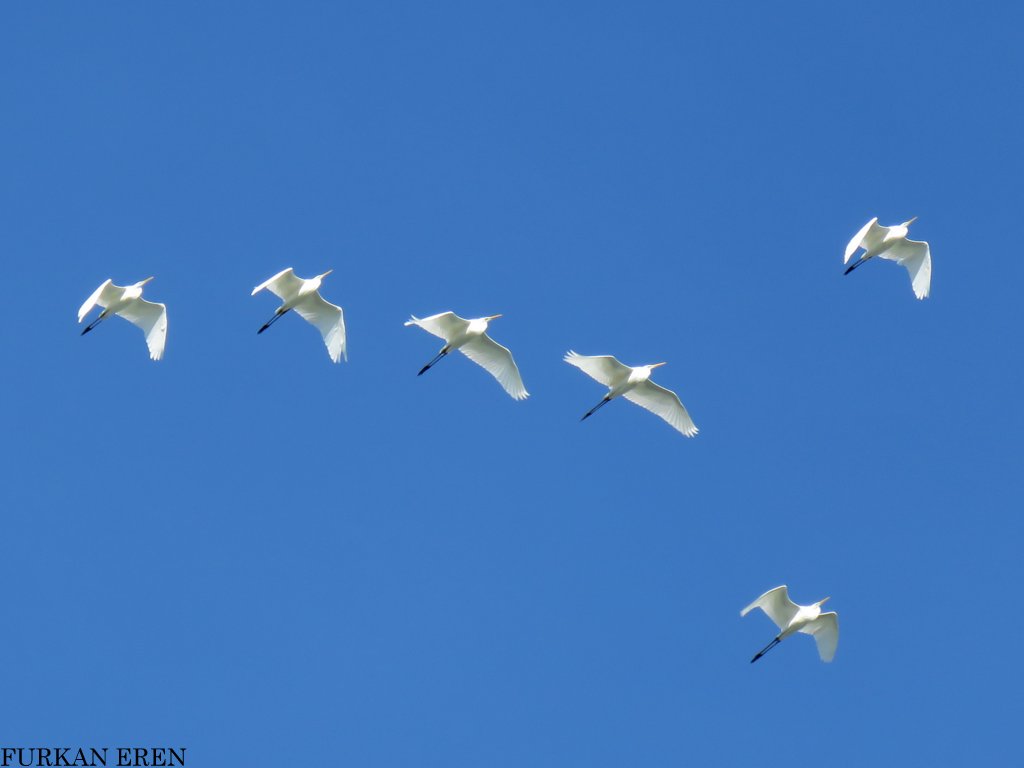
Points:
[273,560]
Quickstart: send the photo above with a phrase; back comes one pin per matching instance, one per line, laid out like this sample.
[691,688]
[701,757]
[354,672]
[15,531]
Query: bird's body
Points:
[891,243]
[634,384]
[471,339]
[304,297]
[791,618]
[127,302]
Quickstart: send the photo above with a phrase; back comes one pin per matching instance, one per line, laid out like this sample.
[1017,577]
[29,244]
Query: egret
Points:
[471,339]
[303,296]
[635,385]
[127,301]
[892,243]
[790,618]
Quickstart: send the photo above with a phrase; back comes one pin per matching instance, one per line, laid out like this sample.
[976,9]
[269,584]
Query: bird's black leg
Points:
[767,648]
[855,264]
[272,320]
[605,400]
[428,366]
[103,316]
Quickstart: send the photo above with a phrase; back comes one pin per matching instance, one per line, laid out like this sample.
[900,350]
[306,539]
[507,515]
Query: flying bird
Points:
[303,296]
[892,243]
[127,302]
[790,617]
[471,339]
[635,385]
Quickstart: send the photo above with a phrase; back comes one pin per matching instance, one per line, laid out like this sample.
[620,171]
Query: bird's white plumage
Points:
[870,235]
[664,403]
[778,606]
[601,368]
[497,361]
[471,339]
[916,256]
[285,285]
[127,302]
[635,385]
[104,296]
[791,618]
[328,319]
[152,319]
[444,325]
[302,295]
[892,243]
[825,630]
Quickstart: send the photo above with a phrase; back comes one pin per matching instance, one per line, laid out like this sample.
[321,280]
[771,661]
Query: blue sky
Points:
[272,560]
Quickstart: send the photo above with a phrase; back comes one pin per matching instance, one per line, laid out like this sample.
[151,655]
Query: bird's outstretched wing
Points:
[916,256]
[825,629]
[870,235]
[446,325]
[328,319]
[496,360]
[603,368]
[778,606]
[285,284]
[664,403]
[105,295]
[152,319]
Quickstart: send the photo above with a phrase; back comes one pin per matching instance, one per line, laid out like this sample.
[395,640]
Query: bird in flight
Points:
[635,385]
[790,617]
[303,296]
[471,339]
[891,243]
[127,302]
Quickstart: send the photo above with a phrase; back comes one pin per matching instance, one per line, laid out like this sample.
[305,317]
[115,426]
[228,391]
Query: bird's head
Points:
[908,222]
[822,602]
[143,282]
[492,317]
[656,365]
[325,274]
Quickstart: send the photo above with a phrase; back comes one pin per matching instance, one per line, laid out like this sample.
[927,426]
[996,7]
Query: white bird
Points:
[790,617]
[635,385]
[127,302]
[302,296]
[471,339]
[892,243]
